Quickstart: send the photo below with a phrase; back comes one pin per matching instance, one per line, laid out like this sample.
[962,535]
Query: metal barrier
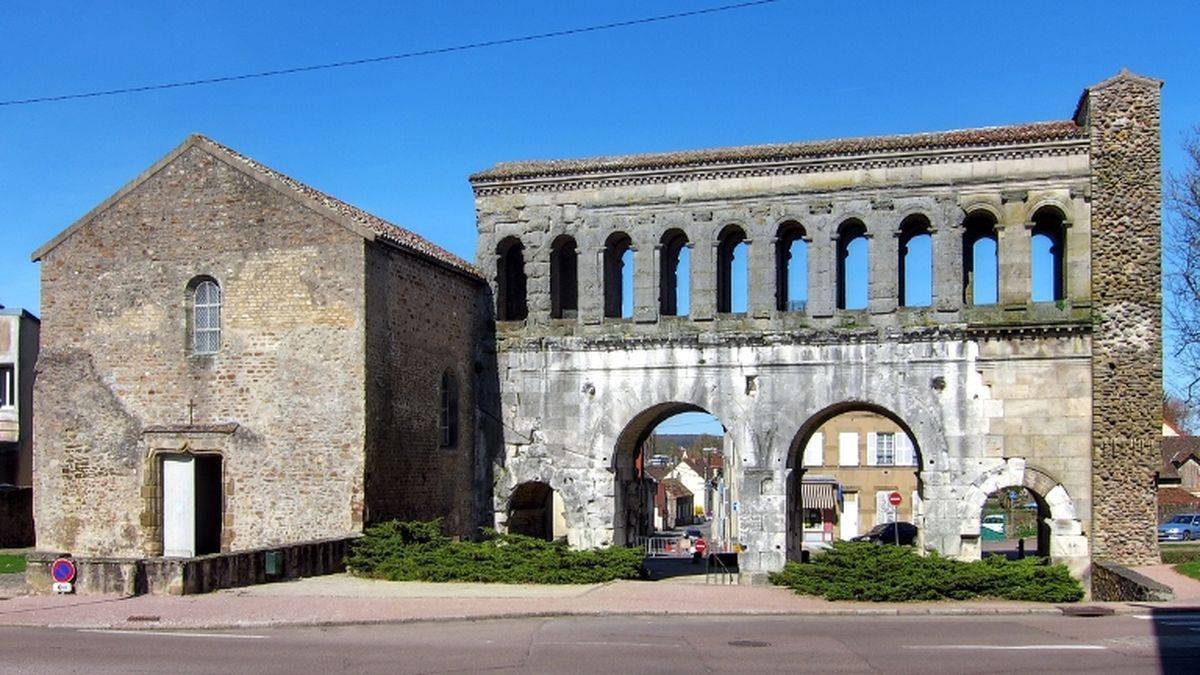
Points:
[664,547]
[721,568]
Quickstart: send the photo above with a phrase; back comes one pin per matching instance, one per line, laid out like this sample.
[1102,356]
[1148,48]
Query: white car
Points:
[993,522]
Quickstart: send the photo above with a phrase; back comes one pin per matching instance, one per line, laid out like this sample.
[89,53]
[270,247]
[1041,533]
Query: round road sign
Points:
[62,570]
[894,499]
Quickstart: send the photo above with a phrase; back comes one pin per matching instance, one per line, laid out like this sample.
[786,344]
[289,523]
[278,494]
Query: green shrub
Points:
[863,571]
[418,551]
[1179,554]
[11,563]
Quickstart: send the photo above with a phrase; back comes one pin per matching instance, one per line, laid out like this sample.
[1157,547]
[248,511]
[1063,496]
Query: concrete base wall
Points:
[186,576]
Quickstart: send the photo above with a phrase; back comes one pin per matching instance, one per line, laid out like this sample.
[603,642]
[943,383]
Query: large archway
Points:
[844,465]
[669,475]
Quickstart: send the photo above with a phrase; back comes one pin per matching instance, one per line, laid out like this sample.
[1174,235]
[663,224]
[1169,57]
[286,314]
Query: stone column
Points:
[702,295]
[1013,250]
[883,256]
[1122,117]
[822,270]
[591,282]
[645,282]
[948,259]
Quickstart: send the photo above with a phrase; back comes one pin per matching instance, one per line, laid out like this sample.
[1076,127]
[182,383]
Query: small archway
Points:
[981,262]
[915,262]
[675,271]
[534,510]
[852,265]
[1048,247]
[564,278]
[618,276]
[844,463]
[511,303]
[791,268]
[732,270]
[1015,523]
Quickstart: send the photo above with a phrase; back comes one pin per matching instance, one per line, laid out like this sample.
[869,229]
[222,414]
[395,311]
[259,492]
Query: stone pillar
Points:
[702,296]
[822,271]
[761,277]
[1013,249]
[883,257]
[1122,117]
[591,283]
[948,259]
[645,282]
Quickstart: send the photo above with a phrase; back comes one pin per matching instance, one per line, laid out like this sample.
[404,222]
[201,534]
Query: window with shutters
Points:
[205,315]
[848,448]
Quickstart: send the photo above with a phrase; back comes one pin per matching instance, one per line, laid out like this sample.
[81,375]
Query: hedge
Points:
[418,551]
[865,571]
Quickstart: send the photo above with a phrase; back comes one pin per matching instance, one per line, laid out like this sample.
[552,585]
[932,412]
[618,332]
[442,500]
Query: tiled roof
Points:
[1175,451]
[392,233]
[942,140]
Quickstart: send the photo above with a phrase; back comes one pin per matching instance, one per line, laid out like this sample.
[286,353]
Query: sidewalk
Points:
[341,599]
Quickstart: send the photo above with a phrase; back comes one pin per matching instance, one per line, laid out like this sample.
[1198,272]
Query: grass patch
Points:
[11,563]
[1175,554]
[1191,569]
[863,571]
[418,551]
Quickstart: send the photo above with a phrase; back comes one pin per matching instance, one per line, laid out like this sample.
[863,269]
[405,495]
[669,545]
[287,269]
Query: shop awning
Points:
[817,495]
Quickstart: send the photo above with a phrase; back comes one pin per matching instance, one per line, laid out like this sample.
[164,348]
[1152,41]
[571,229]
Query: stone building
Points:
[232,360]
[18,356]
[1059,394]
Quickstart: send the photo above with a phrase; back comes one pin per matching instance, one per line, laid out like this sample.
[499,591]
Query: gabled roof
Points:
[369,226]
[1175,451]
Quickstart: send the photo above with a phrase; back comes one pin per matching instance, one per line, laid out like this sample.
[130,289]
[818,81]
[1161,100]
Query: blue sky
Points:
[399,139]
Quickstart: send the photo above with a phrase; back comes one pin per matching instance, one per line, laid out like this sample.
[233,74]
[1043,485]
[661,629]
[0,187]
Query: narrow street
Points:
[1138,643]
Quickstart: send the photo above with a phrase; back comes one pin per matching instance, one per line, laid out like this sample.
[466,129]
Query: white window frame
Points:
[8,385]
[885,448]
[206,338]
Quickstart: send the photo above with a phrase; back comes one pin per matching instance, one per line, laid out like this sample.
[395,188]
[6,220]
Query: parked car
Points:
[1183,527]
[885,533]
[694,533]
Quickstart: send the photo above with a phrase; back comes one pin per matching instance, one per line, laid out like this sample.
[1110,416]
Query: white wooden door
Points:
[179,506]
[849,515]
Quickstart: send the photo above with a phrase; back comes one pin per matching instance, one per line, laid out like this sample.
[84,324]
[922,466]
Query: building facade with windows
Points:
[234,360]
[850,467]
[19,340]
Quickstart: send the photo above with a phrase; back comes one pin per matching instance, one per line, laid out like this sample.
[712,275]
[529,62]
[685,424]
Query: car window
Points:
[1181,519]
[1196,520]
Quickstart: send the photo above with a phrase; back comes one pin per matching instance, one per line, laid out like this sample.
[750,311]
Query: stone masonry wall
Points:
[1123,117]
[422,321]
[116,360]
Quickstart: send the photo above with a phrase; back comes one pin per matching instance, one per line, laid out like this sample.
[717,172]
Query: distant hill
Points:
[669,444]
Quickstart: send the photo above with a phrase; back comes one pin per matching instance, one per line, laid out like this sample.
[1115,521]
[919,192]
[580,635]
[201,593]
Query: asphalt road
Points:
[634,644]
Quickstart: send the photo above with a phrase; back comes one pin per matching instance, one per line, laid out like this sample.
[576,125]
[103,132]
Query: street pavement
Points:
[713,643]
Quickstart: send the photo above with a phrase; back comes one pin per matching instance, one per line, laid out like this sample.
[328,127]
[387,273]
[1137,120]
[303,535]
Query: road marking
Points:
[578,643]
[164,633]
[1012,647]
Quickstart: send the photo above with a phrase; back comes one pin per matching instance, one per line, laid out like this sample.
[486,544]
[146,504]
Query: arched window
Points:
[510,281]
[1048,251]
[732,270]
[618,275]
[448,419]
[852,268]
[981,264]
[564,278]
[915,261]
[791,268]
[675,263]
[205,315]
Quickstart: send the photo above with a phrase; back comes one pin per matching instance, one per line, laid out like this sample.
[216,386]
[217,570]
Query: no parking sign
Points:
[62,571]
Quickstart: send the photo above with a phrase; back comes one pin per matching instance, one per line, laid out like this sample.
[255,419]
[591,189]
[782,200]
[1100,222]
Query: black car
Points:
[885,533]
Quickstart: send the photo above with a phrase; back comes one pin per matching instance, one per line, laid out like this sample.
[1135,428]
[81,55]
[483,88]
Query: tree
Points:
[1177,413]
[1182,283]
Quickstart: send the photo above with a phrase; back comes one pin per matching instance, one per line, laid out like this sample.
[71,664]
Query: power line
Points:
[390,57]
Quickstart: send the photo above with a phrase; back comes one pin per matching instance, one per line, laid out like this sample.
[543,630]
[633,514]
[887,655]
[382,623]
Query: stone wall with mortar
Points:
[421,321]
[116,362]
[994,396]
[1122,115]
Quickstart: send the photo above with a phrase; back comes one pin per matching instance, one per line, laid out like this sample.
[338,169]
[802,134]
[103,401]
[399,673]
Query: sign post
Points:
[894,499]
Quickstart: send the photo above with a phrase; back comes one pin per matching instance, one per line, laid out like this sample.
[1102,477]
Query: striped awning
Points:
[817,495]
